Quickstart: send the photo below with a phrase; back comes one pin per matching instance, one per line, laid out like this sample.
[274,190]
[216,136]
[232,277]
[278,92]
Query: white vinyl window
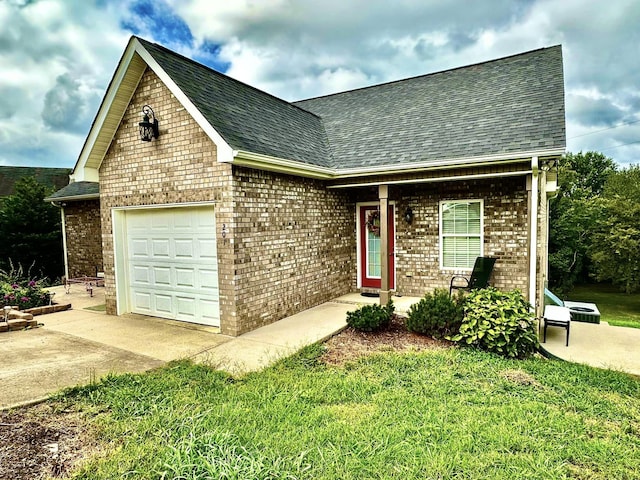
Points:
[461,239]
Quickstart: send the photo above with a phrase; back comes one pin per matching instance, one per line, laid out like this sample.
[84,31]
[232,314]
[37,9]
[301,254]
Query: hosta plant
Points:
[499,322]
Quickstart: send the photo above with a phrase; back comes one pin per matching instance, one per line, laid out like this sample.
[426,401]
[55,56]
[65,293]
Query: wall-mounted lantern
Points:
[408,215]
[148,125]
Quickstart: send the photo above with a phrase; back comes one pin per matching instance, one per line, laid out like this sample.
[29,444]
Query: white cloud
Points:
[58,55]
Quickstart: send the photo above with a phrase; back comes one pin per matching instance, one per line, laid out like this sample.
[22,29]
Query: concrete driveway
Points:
[79,346]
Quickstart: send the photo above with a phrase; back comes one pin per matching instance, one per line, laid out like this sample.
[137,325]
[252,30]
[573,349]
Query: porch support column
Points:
[383,194]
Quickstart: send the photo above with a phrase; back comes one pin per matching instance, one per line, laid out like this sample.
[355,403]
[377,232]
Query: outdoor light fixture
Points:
[148,125]
[408,215]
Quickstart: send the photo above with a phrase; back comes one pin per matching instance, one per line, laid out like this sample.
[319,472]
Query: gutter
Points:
[298,168]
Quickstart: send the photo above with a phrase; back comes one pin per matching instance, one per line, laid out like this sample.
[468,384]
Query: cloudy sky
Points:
[57,56]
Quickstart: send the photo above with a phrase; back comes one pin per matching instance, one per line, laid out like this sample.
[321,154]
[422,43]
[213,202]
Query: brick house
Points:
[247,208]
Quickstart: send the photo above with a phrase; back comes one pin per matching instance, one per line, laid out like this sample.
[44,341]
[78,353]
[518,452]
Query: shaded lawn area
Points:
[616,308]
[442,413]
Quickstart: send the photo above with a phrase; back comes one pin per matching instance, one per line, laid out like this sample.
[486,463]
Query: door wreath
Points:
[373,222]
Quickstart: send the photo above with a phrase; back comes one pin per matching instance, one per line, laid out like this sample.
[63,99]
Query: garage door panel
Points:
[184,248]
[141,274]
[172,260]
[163,303]
[186,277]
[160,248]
[139,248]
[162,276]
[142,301]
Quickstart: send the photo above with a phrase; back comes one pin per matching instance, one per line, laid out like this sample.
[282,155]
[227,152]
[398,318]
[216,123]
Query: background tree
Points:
[573,213]
[615,246]
[30,231]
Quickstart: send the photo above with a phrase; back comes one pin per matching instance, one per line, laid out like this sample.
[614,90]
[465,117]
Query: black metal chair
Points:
[556,316]
[482,270]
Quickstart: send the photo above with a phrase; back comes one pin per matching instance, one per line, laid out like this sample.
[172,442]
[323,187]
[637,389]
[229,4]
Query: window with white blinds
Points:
[461,227]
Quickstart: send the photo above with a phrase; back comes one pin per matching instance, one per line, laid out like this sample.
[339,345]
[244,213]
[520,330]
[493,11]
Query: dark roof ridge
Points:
[400,80]
[216,72]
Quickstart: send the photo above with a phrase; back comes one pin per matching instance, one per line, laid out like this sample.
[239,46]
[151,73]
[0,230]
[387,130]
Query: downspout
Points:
[533,234]
[64,237]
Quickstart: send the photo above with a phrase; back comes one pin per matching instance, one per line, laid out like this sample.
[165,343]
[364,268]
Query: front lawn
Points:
[616,308]
[441,413]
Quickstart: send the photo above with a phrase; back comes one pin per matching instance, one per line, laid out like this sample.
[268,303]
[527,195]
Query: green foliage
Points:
[370,318]
[615,245]
[499,322]
[436,314]
[582,178]
[30,230]
[442,413]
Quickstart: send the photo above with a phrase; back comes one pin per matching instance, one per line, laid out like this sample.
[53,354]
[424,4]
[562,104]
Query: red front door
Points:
[370,267]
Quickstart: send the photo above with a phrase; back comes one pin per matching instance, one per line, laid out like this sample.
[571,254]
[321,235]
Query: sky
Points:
[58,56]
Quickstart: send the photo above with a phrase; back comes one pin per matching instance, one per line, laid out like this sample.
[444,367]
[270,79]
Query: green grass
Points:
[97,308]
[439,414]
[616,308]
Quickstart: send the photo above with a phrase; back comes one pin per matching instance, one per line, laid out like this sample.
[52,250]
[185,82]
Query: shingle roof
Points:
[247,118]
[50,177]
[514,104]
[76,191]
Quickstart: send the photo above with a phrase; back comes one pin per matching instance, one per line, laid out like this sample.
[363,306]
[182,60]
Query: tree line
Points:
[594,224]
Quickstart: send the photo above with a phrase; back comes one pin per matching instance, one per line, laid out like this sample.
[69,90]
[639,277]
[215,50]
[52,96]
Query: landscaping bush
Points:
[18,290]
[370,318]
[499,322]
[436,314]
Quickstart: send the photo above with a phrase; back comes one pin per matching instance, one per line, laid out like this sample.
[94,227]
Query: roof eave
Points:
[294,167]
[73,198]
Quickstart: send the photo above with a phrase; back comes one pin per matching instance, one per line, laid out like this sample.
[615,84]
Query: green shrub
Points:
[436,314]
[499,322]
[369,318]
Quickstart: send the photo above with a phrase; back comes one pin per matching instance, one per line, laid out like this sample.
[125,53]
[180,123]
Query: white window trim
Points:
[440,235]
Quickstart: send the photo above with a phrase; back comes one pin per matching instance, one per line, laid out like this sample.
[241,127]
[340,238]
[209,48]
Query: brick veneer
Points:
[505,232]
[83,238]
[294,245]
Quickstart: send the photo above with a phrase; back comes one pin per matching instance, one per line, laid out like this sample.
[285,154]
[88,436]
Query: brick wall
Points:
[294,245]
[84,238]
[505,232]
[178,167]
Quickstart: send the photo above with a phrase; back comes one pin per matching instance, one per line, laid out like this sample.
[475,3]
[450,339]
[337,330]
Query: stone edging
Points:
[17,320]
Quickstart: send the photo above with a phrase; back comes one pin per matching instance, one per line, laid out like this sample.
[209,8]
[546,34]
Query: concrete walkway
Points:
[599,345]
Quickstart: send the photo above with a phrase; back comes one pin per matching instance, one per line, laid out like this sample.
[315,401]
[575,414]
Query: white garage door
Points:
[172,264]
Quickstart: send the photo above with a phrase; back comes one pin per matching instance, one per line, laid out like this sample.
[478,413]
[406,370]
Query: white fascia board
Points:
[80,171]
[224,150]
[281,165]
[448,163]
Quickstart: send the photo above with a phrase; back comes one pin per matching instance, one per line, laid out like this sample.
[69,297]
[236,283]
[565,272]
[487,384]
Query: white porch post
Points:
[383,194]
[533,233]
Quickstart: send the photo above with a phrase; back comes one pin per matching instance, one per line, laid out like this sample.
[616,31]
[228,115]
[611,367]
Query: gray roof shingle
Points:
[510,105]
[247,118]
[77,191]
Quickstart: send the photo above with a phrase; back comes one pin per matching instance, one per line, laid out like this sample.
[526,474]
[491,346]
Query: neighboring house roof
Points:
[50,177]
[76,191]
[511,105]
[505,109]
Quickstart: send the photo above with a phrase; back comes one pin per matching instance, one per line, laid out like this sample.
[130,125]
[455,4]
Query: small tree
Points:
[30,231]
[615,246]
[582,178]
